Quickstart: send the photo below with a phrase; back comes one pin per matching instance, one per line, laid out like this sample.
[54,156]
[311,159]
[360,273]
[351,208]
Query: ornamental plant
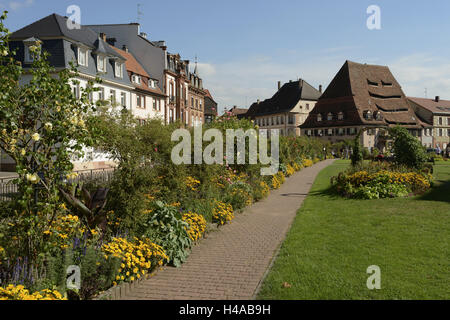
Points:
[165,227]
[135,258]
[222,213]
[196,225]
[407,149]
[12,292]
[42,126]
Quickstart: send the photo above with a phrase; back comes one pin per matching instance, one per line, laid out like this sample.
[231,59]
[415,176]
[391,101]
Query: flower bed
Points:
[381,184]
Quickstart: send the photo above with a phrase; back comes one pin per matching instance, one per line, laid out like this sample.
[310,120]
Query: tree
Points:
[42,127]
[357,155]
[407,149]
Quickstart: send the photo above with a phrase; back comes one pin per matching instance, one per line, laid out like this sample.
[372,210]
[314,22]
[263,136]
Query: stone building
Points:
[287,109]
[362,96]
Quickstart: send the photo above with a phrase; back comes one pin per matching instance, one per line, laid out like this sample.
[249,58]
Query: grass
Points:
[334,240]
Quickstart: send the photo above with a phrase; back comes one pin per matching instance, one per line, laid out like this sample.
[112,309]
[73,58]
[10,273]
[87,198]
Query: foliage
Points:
[380,183]
[357,154]
[42,127]
[222,213]
[166,228]
[196,225]
[12,292]
[407,149]
[135,258]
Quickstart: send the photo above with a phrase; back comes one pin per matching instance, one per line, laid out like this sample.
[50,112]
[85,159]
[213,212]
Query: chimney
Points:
[320,88]
[300,82]
[436,99]
[125,48]
[257,101]
[103,36]
[279,85]
[111,41]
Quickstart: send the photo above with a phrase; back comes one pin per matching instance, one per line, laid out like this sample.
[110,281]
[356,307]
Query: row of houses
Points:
[137,74]
[361,97]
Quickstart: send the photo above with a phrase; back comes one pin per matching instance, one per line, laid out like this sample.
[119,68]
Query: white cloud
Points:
[242,81]
[16,5]
[421,71]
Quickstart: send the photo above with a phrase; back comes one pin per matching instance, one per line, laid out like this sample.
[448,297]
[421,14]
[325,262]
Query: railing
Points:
[8,188]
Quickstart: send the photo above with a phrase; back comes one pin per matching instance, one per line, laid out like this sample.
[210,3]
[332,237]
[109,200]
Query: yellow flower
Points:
[36,137]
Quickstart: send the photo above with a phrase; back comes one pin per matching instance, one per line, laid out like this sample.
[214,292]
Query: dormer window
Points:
[368,115]
[83,57]
[30,45]
[118,66]
[136,79]
[341,116]
[319,118]
[101,63]
[330,117]
[378,116]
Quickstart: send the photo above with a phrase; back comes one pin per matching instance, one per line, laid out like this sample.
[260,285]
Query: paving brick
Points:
[230,263]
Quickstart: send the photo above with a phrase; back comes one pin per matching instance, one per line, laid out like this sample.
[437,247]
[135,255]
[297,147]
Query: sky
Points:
[245,47]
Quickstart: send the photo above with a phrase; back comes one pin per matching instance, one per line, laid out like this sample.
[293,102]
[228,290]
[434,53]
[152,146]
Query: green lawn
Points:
[334,240]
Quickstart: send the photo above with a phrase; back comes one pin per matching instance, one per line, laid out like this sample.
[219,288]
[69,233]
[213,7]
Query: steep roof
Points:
[285,99]
[441,106]
[359,88]
[55,25]
[208,94]
[132,65]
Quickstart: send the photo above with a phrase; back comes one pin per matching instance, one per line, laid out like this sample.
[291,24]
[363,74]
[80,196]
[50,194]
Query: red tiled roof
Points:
[443,106]
[132,65]
[359,88]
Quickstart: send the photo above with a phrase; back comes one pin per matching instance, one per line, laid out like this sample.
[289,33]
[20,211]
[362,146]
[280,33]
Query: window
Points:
[154,104]
[341,116]
[440,121]
[282,119]
[140,101]
[76,91]
[101,94]
[307,106]
[112,96]
[448,132]
[319,118]
[368,115]
[82,57]
[119,69]
[330,132]
[200,105]
[123,99]
[158,104]
[330,117]
[101,63]
[341,131]
[136,79]
[440,132]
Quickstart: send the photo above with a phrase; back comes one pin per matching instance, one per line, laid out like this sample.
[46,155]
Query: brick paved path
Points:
[231,262]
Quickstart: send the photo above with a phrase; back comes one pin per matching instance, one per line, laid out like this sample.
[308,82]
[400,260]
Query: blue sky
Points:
[245,47]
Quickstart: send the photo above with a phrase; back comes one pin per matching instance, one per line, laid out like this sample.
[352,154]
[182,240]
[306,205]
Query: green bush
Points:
[407,149]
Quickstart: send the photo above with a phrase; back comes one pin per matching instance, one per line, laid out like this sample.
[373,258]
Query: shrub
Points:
[196,225]
[407,149]
[166,228]
[380,184]
[222,213]
[12,292]
[136,258]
